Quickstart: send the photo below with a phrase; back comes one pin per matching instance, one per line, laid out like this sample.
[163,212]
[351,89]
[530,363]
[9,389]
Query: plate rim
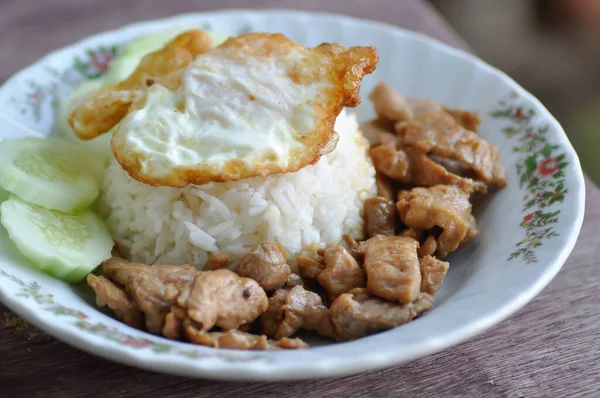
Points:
[328,368]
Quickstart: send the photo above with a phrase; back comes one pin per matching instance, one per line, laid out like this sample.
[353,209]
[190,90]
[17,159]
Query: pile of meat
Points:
[429,161]
[263,303]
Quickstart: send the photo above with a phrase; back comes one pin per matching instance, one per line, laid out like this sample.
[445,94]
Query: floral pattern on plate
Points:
[37,94]
[541,176]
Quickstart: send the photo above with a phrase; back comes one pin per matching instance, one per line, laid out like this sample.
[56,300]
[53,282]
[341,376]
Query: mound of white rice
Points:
[303,211]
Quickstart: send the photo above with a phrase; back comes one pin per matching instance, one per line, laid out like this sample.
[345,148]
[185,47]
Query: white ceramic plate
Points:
[527,230]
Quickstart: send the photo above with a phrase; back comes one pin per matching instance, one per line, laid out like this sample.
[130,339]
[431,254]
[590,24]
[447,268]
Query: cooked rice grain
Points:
[303,211]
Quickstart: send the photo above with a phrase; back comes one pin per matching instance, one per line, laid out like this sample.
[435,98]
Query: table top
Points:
[549,348]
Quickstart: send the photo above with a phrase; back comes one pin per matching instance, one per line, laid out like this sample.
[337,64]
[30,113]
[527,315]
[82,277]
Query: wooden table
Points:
[551,348]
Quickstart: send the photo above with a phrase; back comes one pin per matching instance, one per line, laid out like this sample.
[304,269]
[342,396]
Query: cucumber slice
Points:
[51,173]
[3,195]
[65,246]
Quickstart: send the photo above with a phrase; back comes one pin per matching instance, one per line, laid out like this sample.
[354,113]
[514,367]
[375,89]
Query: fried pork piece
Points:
[443,206]
[111,296]
[104,108]
[412,166]
[453,166]
[273,317]
[380,217]
[221,298]
[337,273]
[468,120]
[294,280]
[218,261]
[428,245]
[210,298]
[440,134]
[392,162]
[413,233]
[154,289]
[291,344]
[377,134]
[341,274]
[292,309]
[235,339]
[390,104]
[356,313]
[173,328]
[385,186]
[428,248]
[392,267]
[433,272]
[435,145]
[309,267]
[268,86]
[352,247]
[420,106]
[266,264]
[179,325]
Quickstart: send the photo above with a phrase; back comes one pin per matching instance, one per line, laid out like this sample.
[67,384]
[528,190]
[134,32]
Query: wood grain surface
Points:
[551,348]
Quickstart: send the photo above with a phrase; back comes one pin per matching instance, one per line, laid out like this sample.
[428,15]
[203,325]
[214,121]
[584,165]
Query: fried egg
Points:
[258,104]
[100,111]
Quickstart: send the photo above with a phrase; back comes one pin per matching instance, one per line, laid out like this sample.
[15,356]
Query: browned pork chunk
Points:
[428,248]
[390,104]
[218,261]
[309,267]
[391,162]
[433,144]
[273,317]
[443,206]
[352,246]
[413,166]
[468,120]
[337,272]
[356,313]
[173,328]
[222,298]
[385,186]
[266,264]
[439,134]
[412,233]
[210,298]
[154,289]
[380,217]
[421,106]
[433,272]
[294,280]
[377,134]
[111,296]
[295,308]
[234,339]
[291,344]
[392,267]
[341,274]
